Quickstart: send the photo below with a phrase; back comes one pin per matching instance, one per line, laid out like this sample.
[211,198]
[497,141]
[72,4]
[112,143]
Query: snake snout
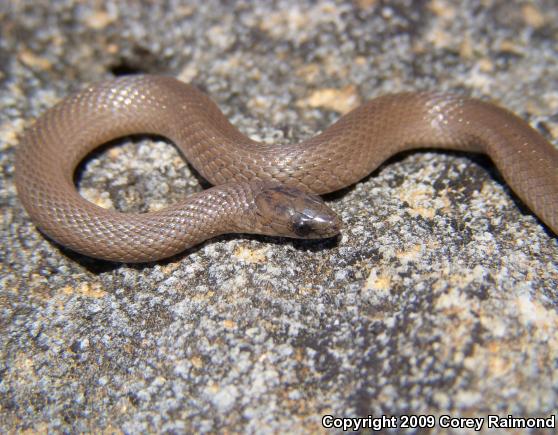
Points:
[316,223]
[290,212]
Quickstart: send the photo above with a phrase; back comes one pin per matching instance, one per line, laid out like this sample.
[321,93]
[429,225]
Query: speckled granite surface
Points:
[439,298]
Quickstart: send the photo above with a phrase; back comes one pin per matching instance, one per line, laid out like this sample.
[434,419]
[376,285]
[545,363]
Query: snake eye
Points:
[287,211]
[302,227]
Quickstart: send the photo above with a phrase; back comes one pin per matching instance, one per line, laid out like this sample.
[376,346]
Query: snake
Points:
[258,188]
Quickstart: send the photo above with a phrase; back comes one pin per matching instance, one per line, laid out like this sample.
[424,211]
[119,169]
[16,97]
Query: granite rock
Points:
[439,297]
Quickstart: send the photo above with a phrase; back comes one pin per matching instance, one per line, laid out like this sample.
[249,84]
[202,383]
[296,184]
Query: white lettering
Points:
[357,424]
[445,421]
[521,422]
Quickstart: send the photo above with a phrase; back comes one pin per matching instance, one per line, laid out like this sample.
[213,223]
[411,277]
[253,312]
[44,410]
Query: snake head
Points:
[290,212]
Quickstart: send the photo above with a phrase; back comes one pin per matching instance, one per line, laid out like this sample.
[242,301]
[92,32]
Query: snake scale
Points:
[259,188]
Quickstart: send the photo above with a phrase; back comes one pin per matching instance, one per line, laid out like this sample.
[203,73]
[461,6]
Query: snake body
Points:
[250,178]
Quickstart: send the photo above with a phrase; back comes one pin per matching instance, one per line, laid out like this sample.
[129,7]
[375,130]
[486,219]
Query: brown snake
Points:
[251,193]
